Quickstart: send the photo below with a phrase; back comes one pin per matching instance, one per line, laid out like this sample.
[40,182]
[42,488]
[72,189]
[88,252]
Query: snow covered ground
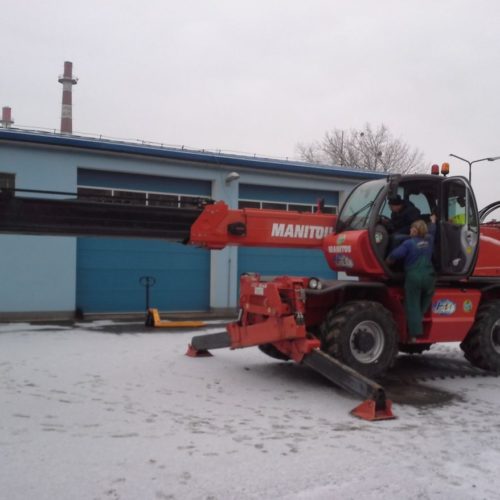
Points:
[88,412]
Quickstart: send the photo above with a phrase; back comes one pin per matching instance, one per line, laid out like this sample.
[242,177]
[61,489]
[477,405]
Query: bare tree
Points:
[364,149]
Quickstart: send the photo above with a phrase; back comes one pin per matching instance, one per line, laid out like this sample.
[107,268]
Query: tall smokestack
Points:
[6,120]
[67,81]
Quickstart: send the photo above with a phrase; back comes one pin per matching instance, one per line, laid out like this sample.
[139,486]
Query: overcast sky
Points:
[261,76]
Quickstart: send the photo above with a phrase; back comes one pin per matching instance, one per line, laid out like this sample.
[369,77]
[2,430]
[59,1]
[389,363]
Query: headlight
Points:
[315,284]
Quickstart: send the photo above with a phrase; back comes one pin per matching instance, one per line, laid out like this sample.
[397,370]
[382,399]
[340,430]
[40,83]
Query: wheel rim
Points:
[367,342]
[495,336]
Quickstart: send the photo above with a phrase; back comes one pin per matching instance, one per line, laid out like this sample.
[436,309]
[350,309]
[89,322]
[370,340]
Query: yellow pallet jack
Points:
[153,319]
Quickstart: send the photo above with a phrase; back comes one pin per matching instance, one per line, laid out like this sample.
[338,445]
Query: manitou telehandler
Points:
[348,330]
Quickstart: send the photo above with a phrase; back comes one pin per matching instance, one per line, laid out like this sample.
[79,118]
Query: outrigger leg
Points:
[307,352]
[200,345]
[374,407]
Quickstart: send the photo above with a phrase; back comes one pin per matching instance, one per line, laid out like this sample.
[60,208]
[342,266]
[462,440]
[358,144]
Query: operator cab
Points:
[451,199]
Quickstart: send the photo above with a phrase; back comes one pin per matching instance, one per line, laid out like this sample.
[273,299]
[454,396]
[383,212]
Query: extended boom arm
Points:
[212,226]
[219,226]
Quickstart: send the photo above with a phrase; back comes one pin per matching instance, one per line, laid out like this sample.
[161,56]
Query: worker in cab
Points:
[420,278]
[457,219]
[403,214]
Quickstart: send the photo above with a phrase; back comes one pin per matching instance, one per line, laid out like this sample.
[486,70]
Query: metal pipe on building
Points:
[6,120]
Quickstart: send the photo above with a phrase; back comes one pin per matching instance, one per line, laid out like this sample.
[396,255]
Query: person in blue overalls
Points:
[420,280]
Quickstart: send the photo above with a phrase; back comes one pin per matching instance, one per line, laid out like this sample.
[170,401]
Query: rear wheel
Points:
[361,334]
[482,344]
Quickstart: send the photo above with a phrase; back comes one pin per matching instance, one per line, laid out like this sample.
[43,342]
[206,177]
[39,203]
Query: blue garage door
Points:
[109,270]
[276,261]
[279,261]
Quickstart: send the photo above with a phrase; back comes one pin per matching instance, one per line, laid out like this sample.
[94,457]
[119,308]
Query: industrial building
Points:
[55,276]
[47,276]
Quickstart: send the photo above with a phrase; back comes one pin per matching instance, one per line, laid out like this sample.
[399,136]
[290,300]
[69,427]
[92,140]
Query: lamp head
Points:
[231,177]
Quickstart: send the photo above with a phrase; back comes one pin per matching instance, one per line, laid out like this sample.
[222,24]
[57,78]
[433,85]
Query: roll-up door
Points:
[109,270]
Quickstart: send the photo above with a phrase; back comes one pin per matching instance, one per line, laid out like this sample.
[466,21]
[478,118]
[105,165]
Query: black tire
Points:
[273,352]
[414,348]
[361,334]
[482,345]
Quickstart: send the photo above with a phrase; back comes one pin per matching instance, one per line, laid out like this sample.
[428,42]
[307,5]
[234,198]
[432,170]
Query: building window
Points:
[7,181]
[274,206]
[163,200]
[299,208]
[248,204]
[91,194]
[328,209]
[129,197]
[291,207]
[189,201]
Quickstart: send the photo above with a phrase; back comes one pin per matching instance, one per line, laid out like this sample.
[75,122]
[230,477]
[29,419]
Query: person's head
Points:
[418,228]
[396,203]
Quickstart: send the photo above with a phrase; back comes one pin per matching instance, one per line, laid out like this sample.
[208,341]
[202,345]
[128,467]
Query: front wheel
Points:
[361,334]
[482,345]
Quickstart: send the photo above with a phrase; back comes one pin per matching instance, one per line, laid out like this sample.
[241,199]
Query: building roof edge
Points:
[168,152]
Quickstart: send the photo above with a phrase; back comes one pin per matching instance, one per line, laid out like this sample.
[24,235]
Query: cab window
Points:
[356,211]
[422,203]
[456,210]
[459,235]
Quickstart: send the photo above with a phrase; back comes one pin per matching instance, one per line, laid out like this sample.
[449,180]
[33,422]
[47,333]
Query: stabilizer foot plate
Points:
[367,410]
[195,353]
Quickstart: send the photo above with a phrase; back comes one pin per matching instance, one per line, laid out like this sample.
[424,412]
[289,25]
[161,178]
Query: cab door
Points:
[459,228]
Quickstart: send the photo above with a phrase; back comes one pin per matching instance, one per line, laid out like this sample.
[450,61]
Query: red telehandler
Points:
[350,331]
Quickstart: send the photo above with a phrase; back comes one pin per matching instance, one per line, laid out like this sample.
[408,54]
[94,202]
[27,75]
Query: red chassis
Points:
[359,326]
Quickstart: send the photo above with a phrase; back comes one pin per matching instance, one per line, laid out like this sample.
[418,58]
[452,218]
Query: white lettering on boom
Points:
[302,231]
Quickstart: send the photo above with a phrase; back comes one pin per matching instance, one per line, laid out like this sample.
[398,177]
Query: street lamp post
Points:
[491,158]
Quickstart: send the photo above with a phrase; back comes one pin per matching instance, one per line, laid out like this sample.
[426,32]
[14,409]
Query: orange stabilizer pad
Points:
[367,410]
[195,353]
